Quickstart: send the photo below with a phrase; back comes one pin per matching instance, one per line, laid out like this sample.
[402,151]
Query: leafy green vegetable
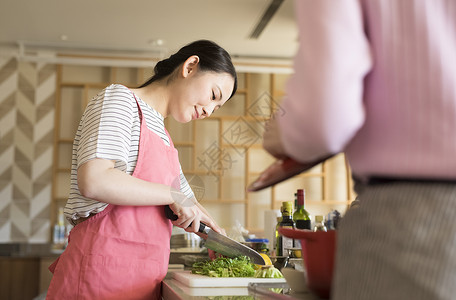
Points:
[225,267]
[268,272]
[276,290]
[234,267]
[232,298]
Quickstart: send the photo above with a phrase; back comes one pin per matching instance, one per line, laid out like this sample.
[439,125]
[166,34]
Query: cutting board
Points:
[196,280]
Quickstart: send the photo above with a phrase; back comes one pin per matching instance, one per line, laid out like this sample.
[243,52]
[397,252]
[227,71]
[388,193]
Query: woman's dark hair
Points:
[212,58]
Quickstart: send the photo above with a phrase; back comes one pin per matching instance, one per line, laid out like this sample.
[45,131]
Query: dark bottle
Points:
[301,215]
[276,236]
[283,242]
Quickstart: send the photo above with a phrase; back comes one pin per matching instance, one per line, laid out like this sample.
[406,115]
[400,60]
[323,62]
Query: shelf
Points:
[225,185]
[61,199]
[84,85]
[212,201]
[322,202]
[234,118]
[253,174]
[201,172]
[65,141]
[184,144]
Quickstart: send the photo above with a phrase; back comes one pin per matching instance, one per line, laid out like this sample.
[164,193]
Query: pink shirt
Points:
[376,79]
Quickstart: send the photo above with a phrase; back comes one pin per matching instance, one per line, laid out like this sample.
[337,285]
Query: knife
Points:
[222,244]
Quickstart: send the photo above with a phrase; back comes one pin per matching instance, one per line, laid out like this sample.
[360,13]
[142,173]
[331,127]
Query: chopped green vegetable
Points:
[232,298]
[276,290]
[225,267]
[268,272]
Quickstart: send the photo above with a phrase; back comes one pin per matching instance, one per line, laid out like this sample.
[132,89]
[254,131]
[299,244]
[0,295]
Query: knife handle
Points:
[170,215]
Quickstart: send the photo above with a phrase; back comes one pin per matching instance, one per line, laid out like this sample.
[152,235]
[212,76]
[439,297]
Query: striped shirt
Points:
[110,129]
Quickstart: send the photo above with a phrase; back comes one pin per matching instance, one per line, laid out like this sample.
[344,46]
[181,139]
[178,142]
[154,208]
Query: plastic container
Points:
[259,245]
[318,252]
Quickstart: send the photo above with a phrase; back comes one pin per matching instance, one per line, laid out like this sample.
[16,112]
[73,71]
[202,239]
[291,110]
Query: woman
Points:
[125,169]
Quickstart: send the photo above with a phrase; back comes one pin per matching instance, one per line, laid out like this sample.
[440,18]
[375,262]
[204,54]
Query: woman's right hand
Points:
[189,213]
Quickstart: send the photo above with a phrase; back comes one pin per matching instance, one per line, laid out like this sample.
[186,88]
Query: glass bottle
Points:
[319,224]
[295,201]
[276,236]
[59,229]
[283,242]
[301,216]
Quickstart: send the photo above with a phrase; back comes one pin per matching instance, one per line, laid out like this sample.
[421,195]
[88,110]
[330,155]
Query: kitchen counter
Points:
[175,290]
[28,250]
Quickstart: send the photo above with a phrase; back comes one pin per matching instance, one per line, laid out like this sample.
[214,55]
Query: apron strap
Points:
[141,116]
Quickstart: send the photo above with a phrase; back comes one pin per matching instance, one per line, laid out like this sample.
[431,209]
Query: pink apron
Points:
[123,251]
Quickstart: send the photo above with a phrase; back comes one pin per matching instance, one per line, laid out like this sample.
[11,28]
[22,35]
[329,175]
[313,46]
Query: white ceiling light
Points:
[156,42]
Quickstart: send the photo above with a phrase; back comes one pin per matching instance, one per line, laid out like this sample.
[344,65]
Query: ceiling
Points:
[136,25]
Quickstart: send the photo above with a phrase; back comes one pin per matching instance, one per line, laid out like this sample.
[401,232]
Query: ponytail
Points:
[212,58]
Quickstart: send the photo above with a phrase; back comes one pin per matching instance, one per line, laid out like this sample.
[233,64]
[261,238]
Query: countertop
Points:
[28,250]
[175,290]
[172,289]
[39,250]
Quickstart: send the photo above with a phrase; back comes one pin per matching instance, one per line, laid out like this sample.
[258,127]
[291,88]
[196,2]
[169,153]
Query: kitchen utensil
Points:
[210,293]
[318,251]
[294,252]
[279,262]
[277,291]
[222,244]
[259,245]
[294,280]
[196,280]
[282,170]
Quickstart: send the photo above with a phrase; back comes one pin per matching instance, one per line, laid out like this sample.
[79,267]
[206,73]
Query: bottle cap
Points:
[300,197]
[287,207]
[318,218]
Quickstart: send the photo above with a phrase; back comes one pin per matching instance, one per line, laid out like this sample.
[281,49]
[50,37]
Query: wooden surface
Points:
[45,274]
[220,155]
[19,278]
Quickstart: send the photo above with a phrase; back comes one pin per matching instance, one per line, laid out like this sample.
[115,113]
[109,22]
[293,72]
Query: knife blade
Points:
[222,244]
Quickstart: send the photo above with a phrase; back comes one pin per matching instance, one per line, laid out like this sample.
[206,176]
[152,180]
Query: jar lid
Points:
[319,218]
[257,240]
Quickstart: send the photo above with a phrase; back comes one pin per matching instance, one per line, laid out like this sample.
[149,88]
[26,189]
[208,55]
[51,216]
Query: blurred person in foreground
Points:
[376,79]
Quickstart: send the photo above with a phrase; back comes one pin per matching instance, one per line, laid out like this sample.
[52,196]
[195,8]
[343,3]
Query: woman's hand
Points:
[190,214]
[190,211]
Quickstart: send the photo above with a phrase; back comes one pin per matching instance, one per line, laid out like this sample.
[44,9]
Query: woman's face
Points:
[199,94]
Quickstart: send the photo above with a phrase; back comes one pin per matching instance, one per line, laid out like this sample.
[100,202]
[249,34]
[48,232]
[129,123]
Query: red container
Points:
[318,253]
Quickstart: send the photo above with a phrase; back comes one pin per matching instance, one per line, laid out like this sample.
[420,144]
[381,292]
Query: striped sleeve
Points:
[185,187]
[106,130]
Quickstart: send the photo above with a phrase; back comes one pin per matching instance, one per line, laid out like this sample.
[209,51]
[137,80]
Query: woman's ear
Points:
[190,65]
